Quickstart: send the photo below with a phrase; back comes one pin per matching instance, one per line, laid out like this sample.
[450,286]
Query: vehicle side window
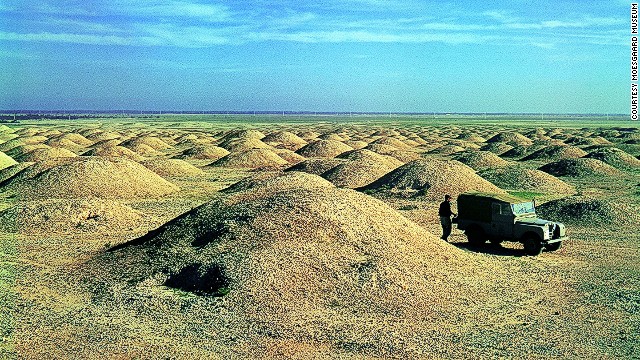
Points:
[496,209]
[505,209]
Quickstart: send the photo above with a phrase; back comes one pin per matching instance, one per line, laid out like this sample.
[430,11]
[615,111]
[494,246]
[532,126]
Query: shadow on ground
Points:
[490,249]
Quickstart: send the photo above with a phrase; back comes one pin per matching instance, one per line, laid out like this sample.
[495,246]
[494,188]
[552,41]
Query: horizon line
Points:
[285,112]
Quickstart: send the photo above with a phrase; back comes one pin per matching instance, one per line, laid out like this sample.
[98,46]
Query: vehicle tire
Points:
[475,235]
[532,245]
[554,246]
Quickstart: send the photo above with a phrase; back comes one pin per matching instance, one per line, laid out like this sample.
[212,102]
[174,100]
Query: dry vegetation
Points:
[320,240]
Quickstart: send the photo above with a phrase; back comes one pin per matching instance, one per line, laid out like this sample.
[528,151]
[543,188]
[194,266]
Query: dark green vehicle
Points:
[498,217]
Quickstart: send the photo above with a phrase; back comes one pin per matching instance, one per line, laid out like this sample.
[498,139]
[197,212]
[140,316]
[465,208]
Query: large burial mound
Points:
[44,154]
[556,152]
[172,167]
[615,157]
[324,148]
[587,211]
[511,138]
[151,141]
[252,158]
[433,178]
[288,155]
[579,167]
[306,265]
[69,216]
[285,139]
[361,168]
[90,176]
[242,144]
[519,178]
[6,161]
[204,152]
[114,151]
[481,159]
[497,148]
[316,166]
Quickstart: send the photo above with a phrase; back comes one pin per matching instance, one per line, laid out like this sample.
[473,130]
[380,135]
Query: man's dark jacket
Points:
[445,209]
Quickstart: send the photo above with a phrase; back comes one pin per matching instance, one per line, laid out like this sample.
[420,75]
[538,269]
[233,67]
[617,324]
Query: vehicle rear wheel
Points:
[475,235]
[554,246]
[532,245]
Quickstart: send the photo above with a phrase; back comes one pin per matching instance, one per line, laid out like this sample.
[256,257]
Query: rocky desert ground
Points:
[181,238]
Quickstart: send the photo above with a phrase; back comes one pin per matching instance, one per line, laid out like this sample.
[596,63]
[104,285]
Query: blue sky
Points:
[335,55]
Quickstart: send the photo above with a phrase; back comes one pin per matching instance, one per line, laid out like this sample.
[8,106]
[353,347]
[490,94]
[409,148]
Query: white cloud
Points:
[371,37]
[188,23]
[207,12]
[78,38]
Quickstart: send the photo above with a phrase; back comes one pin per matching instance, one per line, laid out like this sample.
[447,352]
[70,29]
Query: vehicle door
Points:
[502,220]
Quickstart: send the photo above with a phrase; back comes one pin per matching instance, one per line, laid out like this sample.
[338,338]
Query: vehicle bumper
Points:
[556,240]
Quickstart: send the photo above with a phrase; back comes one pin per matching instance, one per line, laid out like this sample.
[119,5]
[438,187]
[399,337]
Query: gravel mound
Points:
[447,150]
[6,161]
[69,216]
[322,264]
[144,150]
[518,178]
[385,140]
[10,144]
[580,167]
[471,137]
[243,134]
[332,137]
[12,170]
[361,168]
[103,136]
[324,149]
[5,129]
[89,177]
[151,141]
[432,178]
[73,137]
[511,138]
[356,144]
[479,160]
[497,148]
[242,144]
[615,157]
[586,211]
[272,183]
[316,166]
[22,150]
[116,151]
[287,139]
[35,139]
[172,167]
[290,156]
[383,149]
[251,159]
[556,152]
[210,152]
[44,154]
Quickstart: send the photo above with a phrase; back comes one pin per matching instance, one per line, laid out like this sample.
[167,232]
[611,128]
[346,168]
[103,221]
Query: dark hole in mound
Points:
[214,233]
[208,281]
[209,236]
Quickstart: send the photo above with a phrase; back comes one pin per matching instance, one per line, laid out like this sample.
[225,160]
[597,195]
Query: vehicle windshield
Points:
[523,208]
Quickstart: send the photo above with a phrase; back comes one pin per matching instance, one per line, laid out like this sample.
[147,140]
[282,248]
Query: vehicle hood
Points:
[533,221]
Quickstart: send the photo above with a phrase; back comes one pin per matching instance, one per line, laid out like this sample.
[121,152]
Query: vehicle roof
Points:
[491,196]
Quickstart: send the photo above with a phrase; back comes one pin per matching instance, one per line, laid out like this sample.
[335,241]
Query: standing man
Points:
[445,217]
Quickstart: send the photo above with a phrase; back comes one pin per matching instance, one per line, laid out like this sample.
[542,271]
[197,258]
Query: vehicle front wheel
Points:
[532,245]
[554,246]
[475,235]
